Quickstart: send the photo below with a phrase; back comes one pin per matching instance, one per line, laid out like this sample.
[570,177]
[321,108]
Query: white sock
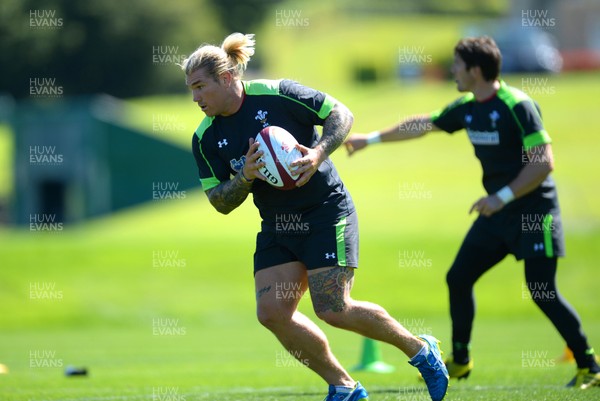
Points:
[343,389]
[423,351]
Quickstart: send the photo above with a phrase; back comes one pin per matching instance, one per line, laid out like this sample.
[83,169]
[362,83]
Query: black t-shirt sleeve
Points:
[530,123]
[452,117]
[211,170]
[306,104]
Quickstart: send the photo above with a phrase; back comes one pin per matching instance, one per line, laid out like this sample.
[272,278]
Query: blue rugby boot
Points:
[432,368]
[358,394]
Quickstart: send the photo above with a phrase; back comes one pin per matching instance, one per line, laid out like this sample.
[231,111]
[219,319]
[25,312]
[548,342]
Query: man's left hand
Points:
[308,164]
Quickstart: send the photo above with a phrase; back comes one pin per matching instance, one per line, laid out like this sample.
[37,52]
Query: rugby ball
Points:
[279,147]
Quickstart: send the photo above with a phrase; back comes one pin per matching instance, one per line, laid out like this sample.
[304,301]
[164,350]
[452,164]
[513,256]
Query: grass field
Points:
[112,294]
[187,331]
[157,302]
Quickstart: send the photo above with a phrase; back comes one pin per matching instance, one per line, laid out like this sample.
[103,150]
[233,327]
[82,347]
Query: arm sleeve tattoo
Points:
[228,195]
[336,128]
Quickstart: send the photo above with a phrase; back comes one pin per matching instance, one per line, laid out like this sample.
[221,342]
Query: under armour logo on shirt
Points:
[223,143]
[330,255]
[494,116]
[538,246]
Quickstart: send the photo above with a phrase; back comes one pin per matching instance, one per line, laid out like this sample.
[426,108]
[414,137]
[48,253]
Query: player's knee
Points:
[457,281]
[272,316]
[452,278]
[335,318]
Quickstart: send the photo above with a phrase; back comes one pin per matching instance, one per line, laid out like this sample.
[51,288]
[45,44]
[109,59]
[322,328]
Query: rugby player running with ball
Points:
[322,256]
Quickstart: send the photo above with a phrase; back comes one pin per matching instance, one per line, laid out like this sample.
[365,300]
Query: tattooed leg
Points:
[262,292]
[278,292]
[330,289]
[330,292]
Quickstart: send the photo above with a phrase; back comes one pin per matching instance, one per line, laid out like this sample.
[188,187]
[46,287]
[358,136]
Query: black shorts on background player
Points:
[530,227]
[503,130]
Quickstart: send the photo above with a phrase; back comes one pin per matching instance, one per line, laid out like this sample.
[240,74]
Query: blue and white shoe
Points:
[432,369]
[358,394]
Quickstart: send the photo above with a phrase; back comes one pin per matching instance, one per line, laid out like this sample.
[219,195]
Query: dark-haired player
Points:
[320,250]
[519,215]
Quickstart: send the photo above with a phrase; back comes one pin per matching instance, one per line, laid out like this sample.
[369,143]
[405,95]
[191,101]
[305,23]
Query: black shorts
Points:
[529,228]
[316,245]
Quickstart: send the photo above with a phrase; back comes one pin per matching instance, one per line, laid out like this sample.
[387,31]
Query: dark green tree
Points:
[243,15]
[124,48]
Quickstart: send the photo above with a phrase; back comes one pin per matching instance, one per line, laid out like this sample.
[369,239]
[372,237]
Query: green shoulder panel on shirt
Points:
[513,96]
[328,104]
[262,87]
[460,101]
[206,122]
[210,182]
[272,87]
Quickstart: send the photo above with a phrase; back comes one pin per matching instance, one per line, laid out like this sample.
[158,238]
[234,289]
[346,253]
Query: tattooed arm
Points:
[335,128]
[228,195]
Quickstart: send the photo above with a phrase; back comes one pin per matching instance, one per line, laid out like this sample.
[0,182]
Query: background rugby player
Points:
[505,127]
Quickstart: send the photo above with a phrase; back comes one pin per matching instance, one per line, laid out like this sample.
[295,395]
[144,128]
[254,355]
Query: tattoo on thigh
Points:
[262,291]
[328,289]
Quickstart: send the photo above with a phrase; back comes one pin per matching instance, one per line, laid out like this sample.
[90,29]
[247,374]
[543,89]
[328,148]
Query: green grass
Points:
[111,292]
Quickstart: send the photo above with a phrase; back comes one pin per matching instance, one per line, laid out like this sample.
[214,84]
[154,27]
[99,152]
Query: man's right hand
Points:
[355,142]
[253,162]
